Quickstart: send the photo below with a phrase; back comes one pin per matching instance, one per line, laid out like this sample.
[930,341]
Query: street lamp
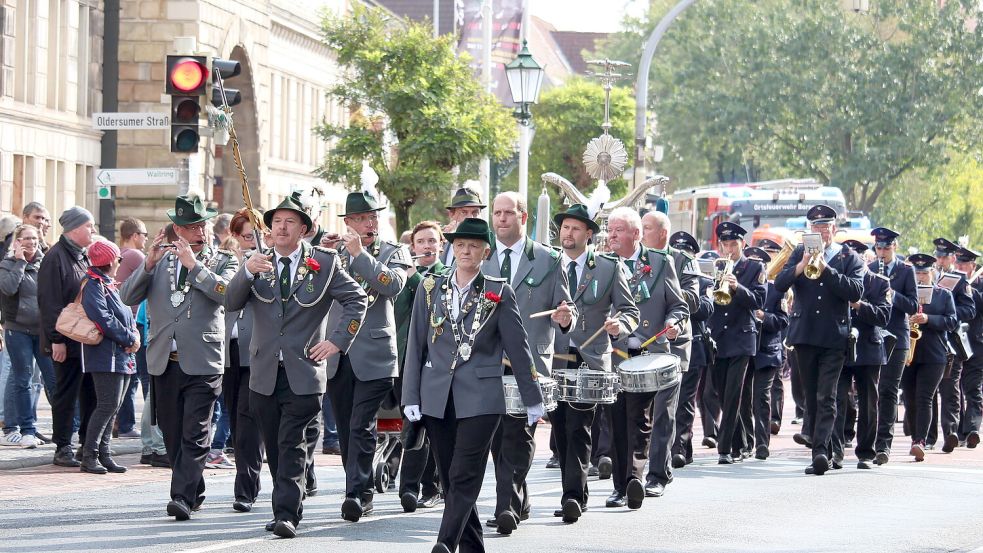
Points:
[861,6]
[525,77]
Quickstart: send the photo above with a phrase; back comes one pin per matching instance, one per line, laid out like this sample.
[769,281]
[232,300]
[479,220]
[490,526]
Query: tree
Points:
[805,88]
[417,110]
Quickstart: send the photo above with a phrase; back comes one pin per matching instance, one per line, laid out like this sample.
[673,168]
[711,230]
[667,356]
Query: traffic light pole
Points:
[110,102]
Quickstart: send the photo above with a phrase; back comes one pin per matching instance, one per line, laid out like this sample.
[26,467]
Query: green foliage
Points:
[418,111]
[779,88]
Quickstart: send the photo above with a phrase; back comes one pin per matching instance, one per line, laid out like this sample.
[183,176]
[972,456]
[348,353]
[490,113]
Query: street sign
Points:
[114,121]
[136,177]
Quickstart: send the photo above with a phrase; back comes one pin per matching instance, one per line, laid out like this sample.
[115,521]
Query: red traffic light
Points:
[186,75]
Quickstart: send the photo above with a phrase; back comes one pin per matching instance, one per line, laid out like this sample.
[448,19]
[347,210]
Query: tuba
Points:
[721,294]
[778,262]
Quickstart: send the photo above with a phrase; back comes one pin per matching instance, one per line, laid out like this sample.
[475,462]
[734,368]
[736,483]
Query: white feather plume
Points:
[963,241]
[598,198]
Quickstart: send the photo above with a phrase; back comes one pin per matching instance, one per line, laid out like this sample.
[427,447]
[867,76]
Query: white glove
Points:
[412,413]
[535,413]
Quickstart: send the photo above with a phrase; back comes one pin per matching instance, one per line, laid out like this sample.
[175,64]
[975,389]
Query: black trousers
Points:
[686,412]
[571,427]
[948,403]
[820,370]
[798,389]
[727,377]
[355,404]
[418,472]
[512,450]
[865,380]
[708,402]
[744,434]
[888,384]
[72,387]
[663,434]
[777,397]
[920,382]
[284,418]
[184,405]
[631,429]
[762,401]
[109,389]
[972,386]
[850,420]
[601,440]
[246,438]
[461,447]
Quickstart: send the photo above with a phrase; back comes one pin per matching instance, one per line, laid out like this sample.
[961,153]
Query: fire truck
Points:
[762,208]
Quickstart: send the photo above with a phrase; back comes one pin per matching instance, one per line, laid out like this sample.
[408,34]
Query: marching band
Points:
[621,334]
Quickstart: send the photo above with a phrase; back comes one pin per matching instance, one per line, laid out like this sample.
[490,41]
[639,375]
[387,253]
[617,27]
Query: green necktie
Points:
[572,275]
[285,277]
[631,265]
[182,277]
[507,265]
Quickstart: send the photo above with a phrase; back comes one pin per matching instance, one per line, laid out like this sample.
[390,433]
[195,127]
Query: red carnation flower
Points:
[312,264]
[646,269]
[493,297]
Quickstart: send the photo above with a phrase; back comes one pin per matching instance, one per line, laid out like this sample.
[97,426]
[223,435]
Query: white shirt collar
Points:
[463,289]
[581,259]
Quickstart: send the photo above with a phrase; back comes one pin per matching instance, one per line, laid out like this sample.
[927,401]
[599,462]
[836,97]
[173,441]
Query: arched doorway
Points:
[227,181]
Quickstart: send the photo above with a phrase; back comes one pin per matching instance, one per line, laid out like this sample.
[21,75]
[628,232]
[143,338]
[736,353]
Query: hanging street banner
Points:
[506,24]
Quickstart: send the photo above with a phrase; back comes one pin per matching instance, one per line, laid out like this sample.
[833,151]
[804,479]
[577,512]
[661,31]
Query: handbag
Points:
[75,325]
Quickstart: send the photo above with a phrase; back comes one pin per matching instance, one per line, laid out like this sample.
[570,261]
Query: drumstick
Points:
[656,337]
[543,313]
[596,334]
[622,354]
[565,357]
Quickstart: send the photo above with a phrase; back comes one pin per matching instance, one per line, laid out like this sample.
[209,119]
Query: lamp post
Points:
[525,77]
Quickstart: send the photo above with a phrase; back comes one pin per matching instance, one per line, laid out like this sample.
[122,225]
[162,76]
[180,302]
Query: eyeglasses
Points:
[364,218]
[196,226]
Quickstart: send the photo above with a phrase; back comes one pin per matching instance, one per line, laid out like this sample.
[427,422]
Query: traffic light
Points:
[187,79]
[226,69]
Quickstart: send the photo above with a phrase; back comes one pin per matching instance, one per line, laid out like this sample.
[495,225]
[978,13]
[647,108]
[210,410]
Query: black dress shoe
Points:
[440,548]
[331,450]
[820,464]
[242,506]
[881,458]
[285,529]
[635,494]
[178,509]
[837,462]
[678,461]
[604,467]
[761,452]
[710,442]
[571,511]
[491,523]
[408,501]
[160,460]
[270,525]
[65,457]
[593,471]
[725,459]
[616,499]
[145,458]
[107,461]
[196,506]
[654,489]
[428,501]
[524,515]
[507,522]
[553,463]
[737,456]
[775,427]
[950,443]
[864,464]
[802,439]
[973,440]
[311,491]
[351,509]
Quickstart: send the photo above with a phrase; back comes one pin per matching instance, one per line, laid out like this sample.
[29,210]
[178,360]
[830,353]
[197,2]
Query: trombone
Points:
[721,294]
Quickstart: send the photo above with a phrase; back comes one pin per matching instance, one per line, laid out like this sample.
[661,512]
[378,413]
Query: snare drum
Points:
[584,385]
[513,400]
[650,372]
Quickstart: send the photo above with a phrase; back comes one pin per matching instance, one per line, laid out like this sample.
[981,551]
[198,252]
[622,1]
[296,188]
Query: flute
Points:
[422,255]
[173,245]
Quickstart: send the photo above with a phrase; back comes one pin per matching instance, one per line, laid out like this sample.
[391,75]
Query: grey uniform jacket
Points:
[656,292]
[197,324]
[601,292]
[688,273]
[244,319]
[539,283]
[433,368]
[294,324]
[382,276]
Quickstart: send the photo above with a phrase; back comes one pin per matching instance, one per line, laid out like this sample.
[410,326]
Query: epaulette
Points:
[326,250]
[226,253]
[611,256]
[554,250]
[391,243]
[494,279]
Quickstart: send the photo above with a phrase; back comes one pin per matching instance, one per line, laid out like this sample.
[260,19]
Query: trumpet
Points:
[721,294]
[778,262]
[815,267]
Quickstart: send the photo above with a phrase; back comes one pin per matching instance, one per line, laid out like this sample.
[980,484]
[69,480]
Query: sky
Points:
[585,15]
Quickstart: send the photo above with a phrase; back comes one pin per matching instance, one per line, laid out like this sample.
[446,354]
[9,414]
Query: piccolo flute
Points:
[422,255]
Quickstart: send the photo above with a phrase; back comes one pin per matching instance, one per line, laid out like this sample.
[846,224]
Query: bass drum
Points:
[650,372]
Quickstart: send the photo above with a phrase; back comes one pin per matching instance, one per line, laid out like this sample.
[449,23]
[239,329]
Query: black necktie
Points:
[572,275]
[631,265]
[507,266]
[285,277]
[422,270]
[182,277]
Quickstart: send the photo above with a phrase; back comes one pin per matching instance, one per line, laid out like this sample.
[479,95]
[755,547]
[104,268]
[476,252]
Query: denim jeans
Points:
[330,428]
[222,424]
[7,414]
[24,350]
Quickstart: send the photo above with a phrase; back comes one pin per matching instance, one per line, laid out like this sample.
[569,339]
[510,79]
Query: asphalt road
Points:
[754,506]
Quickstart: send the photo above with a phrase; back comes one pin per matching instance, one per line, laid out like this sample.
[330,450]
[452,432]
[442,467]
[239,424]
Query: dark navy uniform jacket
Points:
[771,351]
[965,305]
[931,347]
[904,302]
[976,325]
[872,315]
[700,355]
[821,309]
[732,326]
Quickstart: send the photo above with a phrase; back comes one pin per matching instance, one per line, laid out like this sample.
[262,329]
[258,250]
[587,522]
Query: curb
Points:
[120,447]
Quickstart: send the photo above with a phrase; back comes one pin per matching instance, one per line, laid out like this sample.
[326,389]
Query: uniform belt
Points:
[172,356]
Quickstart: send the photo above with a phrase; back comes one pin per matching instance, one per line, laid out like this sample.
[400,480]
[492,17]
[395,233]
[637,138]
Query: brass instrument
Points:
[721,294]
[914,334]
[815,267]
[778,262]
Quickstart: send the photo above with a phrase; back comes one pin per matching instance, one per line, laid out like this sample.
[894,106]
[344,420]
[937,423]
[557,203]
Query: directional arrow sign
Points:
[136,177]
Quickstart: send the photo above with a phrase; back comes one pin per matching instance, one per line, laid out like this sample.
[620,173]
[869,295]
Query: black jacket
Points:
[59,278]
[869,319]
